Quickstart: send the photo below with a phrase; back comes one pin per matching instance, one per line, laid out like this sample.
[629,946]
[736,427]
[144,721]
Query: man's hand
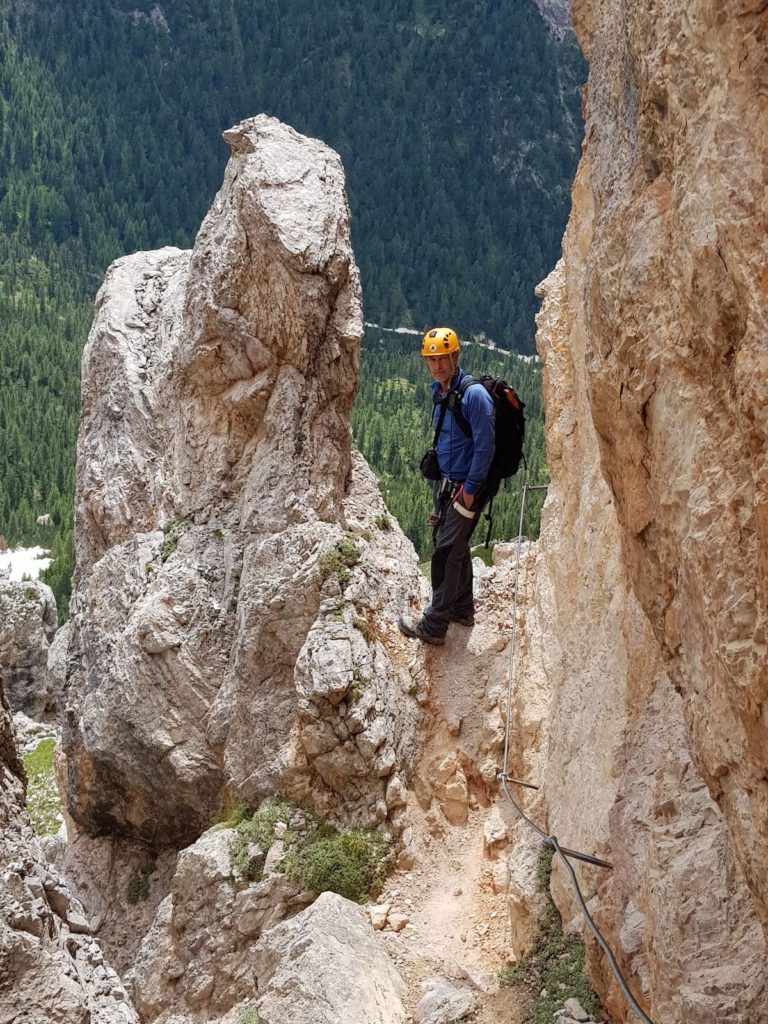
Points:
[468,499]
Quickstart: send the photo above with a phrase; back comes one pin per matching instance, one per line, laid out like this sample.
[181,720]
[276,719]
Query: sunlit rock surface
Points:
[654,539]
[195,958]
[332,939]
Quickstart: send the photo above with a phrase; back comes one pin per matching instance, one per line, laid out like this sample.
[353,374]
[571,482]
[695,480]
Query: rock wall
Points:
[195,958]
[654,534]
[51,967]
[236,588]
[27,630]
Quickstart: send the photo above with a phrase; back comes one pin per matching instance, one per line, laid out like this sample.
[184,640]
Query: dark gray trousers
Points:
[451,563]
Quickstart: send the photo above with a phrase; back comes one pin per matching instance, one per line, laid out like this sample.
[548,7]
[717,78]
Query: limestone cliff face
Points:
[234,592]
[655,536]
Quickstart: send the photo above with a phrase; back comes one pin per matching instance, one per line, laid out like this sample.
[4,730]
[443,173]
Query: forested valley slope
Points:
[458,125]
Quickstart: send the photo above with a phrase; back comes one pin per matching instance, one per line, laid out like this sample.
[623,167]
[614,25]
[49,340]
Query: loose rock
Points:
[325,966]
[444,1003]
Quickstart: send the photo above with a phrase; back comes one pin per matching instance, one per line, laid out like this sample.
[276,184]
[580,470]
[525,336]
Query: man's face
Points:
[441,368]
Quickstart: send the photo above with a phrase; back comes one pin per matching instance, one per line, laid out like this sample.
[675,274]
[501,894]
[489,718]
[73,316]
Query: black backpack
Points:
[510,427]
[509,433]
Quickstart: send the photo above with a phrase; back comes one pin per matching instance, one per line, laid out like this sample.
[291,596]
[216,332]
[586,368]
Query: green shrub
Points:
[360,684]
[384,523]
[250,1016]
[352,864]
[348,549]
[233,818]
[554,969]
[258,829]
[339,560]
[174,529]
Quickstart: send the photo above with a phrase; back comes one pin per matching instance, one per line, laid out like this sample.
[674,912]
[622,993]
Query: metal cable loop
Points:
[547,839]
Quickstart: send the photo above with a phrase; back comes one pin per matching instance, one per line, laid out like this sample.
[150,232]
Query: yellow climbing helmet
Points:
[439,341]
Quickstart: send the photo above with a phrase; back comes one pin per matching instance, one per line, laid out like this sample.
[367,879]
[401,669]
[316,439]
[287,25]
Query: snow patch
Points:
[23,562]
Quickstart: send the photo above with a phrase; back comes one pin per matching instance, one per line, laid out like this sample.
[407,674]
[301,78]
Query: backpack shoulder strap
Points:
[467,382]
[458,415]
[443,403]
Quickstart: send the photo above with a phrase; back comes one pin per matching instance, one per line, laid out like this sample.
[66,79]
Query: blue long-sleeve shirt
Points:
[461,457]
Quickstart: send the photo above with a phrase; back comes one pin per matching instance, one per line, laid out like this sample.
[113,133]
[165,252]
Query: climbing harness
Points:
[561,851]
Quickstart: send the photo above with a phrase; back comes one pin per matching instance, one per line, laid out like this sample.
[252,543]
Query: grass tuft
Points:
[43,802]
[320,858]
[339,560]
[257,830]
[138,884]
[364,627]
[174,529]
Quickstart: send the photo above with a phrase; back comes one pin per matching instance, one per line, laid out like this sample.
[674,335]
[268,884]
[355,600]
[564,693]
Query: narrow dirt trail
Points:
[457,925]
[457,912]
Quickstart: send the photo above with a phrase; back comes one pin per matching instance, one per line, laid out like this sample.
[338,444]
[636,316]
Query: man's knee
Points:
[458,552]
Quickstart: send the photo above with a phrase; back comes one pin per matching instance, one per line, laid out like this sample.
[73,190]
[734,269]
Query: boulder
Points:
[495,834]
[327,966]
[379,914]
[444,1002]
[194,958]
[27,628]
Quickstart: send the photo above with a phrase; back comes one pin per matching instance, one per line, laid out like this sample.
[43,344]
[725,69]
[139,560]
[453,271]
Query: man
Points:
[461,492]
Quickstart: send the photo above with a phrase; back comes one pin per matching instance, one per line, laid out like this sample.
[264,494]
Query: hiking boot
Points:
[416,631]
[463,620]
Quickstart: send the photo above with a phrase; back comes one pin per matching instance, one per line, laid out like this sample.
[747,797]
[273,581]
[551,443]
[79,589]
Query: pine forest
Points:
[458,125]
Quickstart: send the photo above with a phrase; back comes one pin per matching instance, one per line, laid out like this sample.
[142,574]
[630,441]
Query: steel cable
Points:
[562,852]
